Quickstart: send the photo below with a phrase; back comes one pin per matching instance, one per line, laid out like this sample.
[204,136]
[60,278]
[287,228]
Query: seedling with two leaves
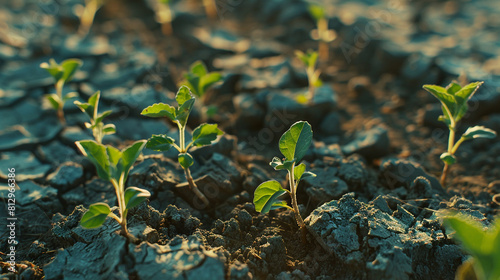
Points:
[454,103]
[322,33]
[99,129]
[113,165]
[309,59]
[62,73]
[483,245]
[199,81]
[203,135]
[293,145]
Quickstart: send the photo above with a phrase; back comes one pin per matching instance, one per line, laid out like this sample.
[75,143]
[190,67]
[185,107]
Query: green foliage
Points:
[454,104]
[95,216]
[293,144]
[204,134]
[99,129]
[198,79]
[112,165]
[483,245]
[310,59]
[62,73]
[317,12]
[266,195]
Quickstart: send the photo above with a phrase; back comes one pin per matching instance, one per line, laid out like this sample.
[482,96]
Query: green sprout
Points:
[113,165]
[293,145]
[88,14]
[483,245]
[454,104]
[203,135]
[99,129]
[199,80]
[321,34]
[309,59]
[62,73]
[164,16]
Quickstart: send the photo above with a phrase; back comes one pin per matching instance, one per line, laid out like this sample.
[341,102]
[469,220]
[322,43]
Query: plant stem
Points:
[310,75]
[59,91]
[119,186]
[323,45]
[165,18]
[451,143]
[293,194]
[194,188]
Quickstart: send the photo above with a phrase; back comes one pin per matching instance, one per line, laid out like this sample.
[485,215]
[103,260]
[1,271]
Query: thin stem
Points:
[165,17]
[194,188]
[455,147]
[59,91]
[293,194]
[182,138]
[88,16]
[451,142]
[323,45]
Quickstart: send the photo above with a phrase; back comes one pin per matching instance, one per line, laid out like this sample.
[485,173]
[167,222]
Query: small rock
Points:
[66,176]
[372,143]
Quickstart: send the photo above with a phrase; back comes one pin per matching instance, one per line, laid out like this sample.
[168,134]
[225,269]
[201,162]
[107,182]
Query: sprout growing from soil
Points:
[113,165]
[321,34]
[309,59]
[293,144]
[99,129]
[62,73]
[87,15]
[454,104]
[203,135]
[483,245]
[164,16]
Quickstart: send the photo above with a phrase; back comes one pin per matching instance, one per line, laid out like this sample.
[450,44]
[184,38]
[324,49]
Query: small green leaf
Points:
[159,110]
[447,100]
[183,112]
[97,154]
[95,216]
[94,99]
[479,132]
[276,163]
[309,59]
[448,158]
[209,80]
[198,68]
[183,95]
[70,66]
[453,88]
[468,91]
[266,194]
[85,108]
[160,142]
[317,12]
[135,196]
[109,129]
[205,134]
[101,116]
[295,142]
[54,100]
[130,155]
[185,160]
[54,69]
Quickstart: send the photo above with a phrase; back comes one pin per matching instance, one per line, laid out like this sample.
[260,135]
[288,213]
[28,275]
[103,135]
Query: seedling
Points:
[203,135]
[164,16]
[199,80]
[483,245]
[321,34]
[88,14]
[62,73]
[113,165]
[99,129]
[454,104]
[309,59]
[293,145]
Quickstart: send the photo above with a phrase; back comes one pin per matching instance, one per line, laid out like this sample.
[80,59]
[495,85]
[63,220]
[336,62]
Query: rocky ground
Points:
[376,149]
